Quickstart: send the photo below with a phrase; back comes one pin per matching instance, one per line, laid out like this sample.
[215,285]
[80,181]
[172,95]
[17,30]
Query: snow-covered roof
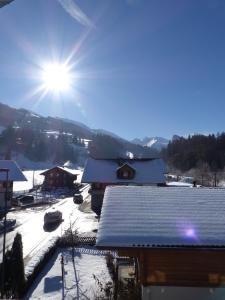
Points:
[71,171]
[162,217]
[104,170]
[65,169]
[14,174]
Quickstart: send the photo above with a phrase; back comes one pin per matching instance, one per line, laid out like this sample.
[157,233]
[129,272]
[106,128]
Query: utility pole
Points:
[33,180]
[63,273]
[4,233]
[215,179]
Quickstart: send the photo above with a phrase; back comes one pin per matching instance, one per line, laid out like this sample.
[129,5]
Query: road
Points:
[31,220]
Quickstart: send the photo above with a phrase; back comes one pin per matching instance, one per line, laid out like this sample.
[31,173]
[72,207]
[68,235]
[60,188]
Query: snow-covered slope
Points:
[106,132]
[75,123]
[152,142]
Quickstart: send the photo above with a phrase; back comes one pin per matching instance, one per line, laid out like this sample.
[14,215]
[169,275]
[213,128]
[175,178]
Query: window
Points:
[125,174]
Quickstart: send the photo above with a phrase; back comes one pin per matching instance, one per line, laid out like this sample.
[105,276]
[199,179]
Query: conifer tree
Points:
[18,275]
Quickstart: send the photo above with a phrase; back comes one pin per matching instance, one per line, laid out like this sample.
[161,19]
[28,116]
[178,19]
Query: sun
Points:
[56,77]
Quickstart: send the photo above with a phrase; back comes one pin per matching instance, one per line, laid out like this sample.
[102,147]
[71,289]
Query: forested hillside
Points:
[41,146]
[196,152]
[54,140]
[106,146]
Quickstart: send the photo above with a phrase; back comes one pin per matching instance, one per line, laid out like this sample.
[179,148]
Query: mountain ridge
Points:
[39,138]
[156,142]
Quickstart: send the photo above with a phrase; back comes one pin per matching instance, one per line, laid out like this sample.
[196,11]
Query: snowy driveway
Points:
[31,226]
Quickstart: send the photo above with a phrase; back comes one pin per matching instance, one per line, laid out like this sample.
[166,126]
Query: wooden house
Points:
[176,235]
[103,172]
[59,177]
[9,172]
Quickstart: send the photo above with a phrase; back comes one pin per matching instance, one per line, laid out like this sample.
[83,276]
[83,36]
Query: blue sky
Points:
[143,67]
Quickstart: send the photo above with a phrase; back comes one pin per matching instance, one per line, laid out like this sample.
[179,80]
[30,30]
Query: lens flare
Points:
[190,232]
[56,77]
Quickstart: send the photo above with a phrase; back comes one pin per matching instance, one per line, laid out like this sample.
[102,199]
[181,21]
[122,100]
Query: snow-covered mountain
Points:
[75,123]
[103,131]
[31,138]
[156,142]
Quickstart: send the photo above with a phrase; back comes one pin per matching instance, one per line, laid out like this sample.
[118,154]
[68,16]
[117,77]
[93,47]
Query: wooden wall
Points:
[180,267]
[56,178]
[3,193]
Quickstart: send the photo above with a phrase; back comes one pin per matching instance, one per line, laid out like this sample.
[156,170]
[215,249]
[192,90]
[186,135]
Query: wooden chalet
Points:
[176,235]
[103,172]
[59,177]
[9,172]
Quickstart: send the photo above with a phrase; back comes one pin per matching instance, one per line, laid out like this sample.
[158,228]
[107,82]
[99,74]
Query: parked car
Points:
[53,216]
[23,200]
[78,198]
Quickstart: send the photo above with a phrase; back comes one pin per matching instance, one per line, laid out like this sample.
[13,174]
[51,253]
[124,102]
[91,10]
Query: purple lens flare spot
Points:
[190,233]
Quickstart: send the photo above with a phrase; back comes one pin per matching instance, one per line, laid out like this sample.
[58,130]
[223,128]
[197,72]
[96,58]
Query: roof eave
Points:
[161,247]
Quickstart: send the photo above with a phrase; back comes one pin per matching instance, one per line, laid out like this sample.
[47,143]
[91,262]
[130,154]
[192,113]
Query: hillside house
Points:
[9,172]
[176,235]
[59,177]
[103,172]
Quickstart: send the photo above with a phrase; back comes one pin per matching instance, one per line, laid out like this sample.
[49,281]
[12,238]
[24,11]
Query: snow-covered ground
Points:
[180,181]
[32,177]
[179,184]
[30,224]
[79,176]
[221,184]
[79,282]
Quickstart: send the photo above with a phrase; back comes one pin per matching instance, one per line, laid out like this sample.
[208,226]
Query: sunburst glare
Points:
[56,77]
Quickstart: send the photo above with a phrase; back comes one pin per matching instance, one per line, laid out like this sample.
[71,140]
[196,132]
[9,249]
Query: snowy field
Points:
[33,177]
[79,282]
[179,184]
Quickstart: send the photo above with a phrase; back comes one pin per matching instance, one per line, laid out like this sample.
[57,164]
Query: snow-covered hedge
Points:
[38,261]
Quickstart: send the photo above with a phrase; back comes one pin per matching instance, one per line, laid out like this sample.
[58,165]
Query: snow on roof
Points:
[104,171]
[162,217]
[15,174]
[71,171]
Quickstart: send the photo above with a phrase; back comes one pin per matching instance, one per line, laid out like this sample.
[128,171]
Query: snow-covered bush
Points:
[38,261]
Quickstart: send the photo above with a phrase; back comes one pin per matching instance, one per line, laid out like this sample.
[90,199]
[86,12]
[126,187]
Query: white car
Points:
[53,216]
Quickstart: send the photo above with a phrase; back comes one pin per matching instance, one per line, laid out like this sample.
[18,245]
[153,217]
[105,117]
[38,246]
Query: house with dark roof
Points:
[103,172]
[59,177]
[9,172]
[176,235]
